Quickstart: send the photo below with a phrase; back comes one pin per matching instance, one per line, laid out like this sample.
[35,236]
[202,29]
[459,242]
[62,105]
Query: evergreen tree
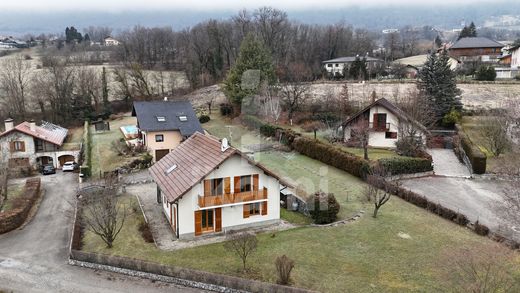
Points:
[438,42]
[87,38]
[468,31]
[437,83]
[252,68]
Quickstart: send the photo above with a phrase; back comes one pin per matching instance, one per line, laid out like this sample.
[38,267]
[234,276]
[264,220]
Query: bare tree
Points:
[271,103]
[373,194]
[284,266]
[486,268]
[103,212]
[243,244]
[493,130]
[14,83]
[360,132]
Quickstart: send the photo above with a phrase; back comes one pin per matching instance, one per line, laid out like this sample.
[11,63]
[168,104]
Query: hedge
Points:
[265,129]
[406,165]
[87,148]
[332,156]
[476,157]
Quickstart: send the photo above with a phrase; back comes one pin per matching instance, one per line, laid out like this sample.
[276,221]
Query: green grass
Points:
[294,217]
[14,191]
[104,157]
[73,140]
[374,154]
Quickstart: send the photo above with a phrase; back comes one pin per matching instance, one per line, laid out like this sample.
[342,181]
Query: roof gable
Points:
[352,59]
[47,131]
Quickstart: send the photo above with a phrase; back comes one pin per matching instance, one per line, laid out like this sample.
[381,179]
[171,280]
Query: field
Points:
[14,191]
[400,251]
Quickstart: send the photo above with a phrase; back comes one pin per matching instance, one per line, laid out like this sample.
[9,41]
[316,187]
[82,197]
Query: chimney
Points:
[33,125]
[9,124]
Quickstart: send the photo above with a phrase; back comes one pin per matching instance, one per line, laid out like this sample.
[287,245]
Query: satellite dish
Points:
[225,145]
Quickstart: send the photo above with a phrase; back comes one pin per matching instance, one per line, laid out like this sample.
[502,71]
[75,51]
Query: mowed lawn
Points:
[104,157]
[367,255]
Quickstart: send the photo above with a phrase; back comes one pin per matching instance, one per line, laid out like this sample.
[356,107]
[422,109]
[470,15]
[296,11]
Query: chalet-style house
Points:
[385,122]
[206,187]
[336,67]
[476,49]
[163,125]
[31,145]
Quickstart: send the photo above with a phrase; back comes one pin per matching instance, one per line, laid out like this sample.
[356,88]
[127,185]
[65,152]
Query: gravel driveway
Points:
[35,258]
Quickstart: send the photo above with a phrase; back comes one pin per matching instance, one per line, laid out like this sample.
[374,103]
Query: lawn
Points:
[14,191]
[367,255]
[374,154]
[73,140]
[104,157]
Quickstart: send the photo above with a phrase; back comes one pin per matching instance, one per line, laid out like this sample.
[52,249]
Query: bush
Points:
[481,229]
[320,214]
[453,117]
[265,129]
[476,157]
[204,119]
[331,155]
[284,266]
[405,165]
[486,73]
[226,109]
[146,233]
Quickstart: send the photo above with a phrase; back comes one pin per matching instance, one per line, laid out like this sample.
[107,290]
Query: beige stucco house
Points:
[163,125]
[386,123]
[206,188]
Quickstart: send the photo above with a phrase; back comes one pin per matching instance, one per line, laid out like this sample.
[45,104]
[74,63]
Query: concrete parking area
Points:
[446,163]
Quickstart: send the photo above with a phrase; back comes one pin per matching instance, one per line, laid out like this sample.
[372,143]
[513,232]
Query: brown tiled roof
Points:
[47,131]
[195,158]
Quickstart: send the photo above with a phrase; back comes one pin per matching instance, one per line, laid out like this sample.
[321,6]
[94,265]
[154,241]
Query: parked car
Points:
[48,169]
[69,166]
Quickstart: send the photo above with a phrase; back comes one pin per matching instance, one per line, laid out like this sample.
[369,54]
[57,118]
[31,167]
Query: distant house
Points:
[30,145]
[109,41]
[515,57]
[385,122]
[476,49]
[163,125]
[207,187]
[336,67]
[415,63]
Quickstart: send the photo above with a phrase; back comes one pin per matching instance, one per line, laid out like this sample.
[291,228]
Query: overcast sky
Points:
[122,5]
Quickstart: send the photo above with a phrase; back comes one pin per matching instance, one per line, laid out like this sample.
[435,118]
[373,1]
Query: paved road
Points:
[34,259]
[475,198]
[446,163]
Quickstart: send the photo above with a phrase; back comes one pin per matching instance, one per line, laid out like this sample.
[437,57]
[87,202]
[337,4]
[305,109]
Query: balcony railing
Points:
[379,127]
[231,198]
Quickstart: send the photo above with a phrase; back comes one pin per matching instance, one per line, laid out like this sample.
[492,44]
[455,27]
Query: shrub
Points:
[405,165]
[284,266]
[146,233]
[481,229]
[265,129]
[319,213]
[204,119]
[453,117]
[486,73]
[226,109]
[476,157]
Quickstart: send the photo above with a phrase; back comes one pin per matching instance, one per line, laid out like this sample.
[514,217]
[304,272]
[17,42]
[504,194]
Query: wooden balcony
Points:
[231,198]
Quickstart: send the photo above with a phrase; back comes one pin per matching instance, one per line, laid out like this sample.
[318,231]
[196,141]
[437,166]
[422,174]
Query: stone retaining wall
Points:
[16,217]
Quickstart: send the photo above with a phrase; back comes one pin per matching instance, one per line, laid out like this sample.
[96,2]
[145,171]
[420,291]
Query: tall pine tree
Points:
[437,83]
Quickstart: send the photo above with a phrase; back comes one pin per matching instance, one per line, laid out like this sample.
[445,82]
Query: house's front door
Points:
[159,154]
[207,221]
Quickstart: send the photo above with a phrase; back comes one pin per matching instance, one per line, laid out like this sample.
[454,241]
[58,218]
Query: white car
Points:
[69,166]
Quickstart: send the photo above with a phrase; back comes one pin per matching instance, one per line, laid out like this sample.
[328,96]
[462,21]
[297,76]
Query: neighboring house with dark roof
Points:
[386,123]
[31,145]
[476,49]
[336,67]
[163,125]
[206,187]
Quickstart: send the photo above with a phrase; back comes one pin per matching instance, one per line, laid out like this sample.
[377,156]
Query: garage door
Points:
[65,158]
[159,154]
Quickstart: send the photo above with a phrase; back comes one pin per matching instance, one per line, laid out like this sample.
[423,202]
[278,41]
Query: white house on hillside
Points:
[386,123]
[109,41]
[206,187]
[336,67]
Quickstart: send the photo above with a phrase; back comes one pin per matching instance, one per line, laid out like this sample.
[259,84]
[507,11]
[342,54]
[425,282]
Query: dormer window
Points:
[183,118]
[161,119]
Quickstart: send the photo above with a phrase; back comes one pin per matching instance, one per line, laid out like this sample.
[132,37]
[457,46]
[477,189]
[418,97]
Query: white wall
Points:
[515,59]
[18,136]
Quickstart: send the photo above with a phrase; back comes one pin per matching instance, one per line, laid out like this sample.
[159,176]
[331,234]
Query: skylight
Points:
[161,119]
[167,172]
[183,118]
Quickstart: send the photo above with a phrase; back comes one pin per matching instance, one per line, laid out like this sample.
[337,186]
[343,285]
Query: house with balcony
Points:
[386,123]
[207,187]
[163,125]
[28,145]
[476,49]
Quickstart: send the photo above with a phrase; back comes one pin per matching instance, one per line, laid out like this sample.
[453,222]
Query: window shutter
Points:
[227,185]
[11,146]
[374,123]
[198,223]
[218,219]
[246,211]
[22,146]
[264,208]
[207,187]
[237,184]
[255,182]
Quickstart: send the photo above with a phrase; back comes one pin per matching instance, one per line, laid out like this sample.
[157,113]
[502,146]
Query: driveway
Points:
[35,258]
[446,163]
[475,198]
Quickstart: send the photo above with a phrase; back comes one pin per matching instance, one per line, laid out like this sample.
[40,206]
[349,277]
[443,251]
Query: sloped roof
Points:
[47,131]
[352,59]
[194,159]
[390,107]
[419,60]
[476,42]
[147,113]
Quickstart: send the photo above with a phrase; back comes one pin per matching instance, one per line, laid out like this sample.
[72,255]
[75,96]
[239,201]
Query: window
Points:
[207,220]
[245,183]
[379,121]
[161,119]
[18,146]
[39,145]
[391,135]
[254,209]
[159,138]
[337,65]
[183,118]
[329,65]
[217,186]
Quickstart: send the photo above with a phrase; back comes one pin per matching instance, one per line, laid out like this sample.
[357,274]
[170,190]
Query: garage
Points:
[159,154]
[66,158]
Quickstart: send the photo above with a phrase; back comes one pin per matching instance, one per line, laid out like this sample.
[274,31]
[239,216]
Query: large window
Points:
[217,186]
[245,183]
[254,209]
[18,146]
[391,135]
[159,138]
[207,220]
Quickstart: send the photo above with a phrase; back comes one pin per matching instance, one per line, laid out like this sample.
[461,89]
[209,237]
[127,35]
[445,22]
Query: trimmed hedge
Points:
[204,119]
[87,148]
[265,129]
[406,165]
[475,155]
[332,156]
